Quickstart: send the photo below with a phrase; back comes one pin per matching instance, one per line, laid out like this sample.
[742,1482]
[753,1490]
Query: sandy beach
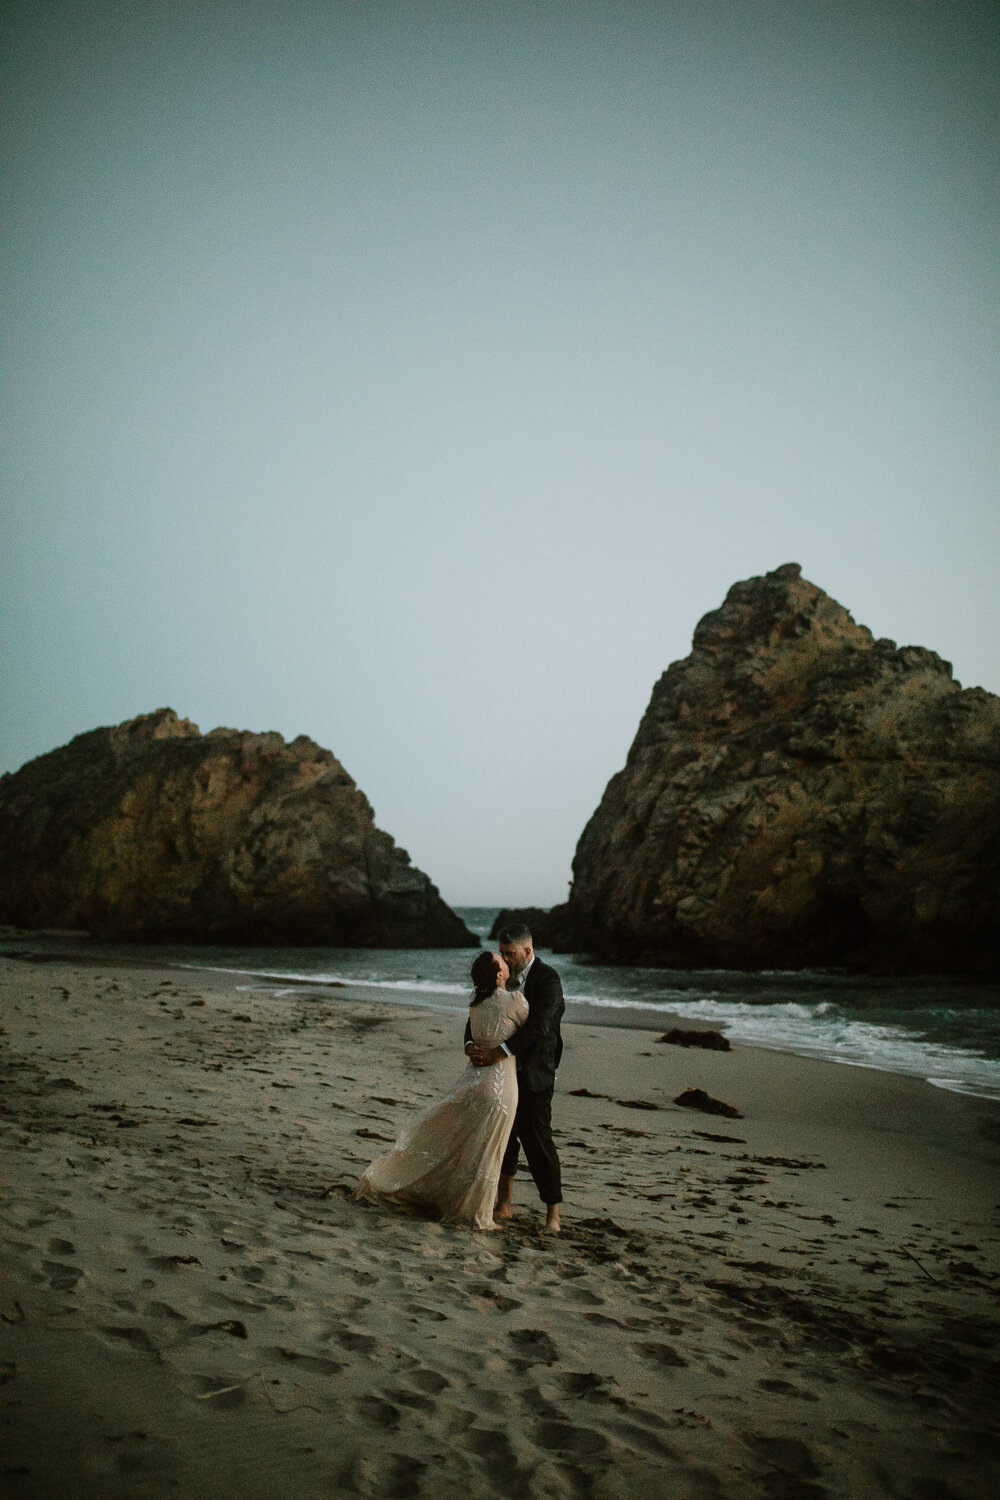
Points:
[796,1304]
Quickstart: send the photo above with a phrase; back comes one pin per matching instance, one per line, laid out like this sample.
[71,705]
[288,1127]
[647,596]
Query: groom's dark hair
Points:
[517,932]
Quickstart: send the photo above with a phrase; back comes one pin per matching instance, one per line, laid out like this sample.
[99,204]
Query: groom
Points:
[537,1047]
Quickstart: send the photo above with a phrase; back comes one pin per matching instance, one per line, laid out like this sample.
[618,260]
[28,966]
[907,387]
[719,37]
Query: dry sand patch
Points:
[801,1303]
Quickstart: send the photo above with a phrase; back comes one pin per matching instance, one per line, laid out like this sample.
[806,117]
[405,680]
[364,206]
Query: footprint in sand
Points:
[315,1364]
[429,1313]
[583,1386]
[563,1437]
[786,1388]
[792,1460]
[250,1274]
[663,1354]
[581,1294]
[137,1337]
[533,1345]
[375,1412]
[504,1304]
[411,1399]
[346,1302]
[458,1421]
[62,1277]
[640,1440]
[491,1445]
[355,1343]
[384,1476]
[233,1326]
[164,1311]
[430,1381]
[173,1262]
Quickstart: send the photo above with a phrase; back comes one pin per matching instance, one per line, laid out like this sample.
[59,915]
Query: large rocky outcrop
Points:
[152,830]
[799,793]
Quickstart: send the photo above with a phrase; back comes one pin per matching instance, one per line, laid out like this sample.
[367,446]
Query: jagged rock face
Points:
[799,793]
[151,830]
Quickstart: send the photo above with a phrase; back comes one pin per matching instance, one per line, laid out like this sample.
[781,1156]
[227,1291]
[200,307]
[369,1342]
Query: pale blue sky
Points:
[415,375]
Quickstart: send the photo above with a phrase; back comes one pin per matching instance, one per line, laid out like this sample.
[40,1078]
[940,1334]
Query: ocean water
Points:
[945,1031]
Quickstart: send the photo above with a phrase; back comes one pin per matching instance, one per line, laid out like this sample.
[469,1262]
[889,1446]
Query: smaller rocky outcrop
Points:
[547,930]
[698,1099]
[150,830]
[714,1041]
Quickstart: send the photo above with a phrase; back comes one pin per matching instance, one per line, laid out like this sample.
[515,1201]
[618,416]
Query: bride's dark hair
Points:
[484,973]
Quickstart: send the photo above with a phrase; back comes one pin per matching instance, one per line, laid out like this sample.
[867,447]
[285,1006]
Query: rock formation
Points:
[152,831]
[545,932]
[713,1041]
[799,793]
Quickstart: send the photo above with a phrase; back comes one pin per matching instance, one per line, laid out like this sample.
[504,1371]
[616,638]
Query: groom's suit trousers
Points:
[532,1129]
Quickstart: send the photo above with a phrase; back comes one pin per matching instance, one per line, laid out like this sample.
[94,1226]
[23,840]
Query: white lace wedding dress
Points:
[449,1159]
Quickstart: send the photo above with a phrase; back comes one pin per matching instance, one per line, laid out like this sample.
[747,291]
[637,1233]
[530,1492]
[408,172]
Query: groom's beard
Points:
[514,978]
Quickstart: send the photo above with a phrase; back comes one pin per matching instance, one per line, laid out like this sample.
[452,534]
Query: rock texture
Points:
[799,793]
[151,830]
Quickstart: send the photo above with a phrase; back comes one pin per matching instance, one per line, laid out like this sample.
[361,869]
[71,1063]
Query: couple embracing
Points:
[460,1157]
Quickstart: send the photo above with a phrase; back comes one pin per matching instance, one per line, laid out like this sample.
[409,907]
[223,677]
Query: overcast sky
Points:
[414,374]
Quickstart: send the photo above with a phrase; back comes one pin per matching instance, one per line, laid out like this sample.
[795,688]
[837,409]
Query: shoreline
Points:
[107,950]
[613,1015]
[798,1302]
[964,1070]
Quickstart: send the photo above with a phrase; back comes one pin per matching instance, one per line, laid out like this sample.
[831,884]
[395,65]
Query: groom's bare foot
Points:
[552,1218]
[505,1199]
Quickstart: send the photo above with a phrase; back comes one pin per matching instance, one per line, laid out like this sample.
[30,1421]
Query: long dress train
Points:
[449,1159]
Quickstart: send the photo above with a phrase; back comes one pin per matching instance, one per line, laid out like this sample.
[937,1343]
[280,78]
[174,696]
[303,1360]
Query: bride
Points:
[449,1159]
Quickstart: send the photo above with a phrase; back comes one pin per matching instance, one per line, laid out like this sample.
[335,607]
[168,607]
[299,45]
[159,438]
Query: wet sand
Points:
[796,1304]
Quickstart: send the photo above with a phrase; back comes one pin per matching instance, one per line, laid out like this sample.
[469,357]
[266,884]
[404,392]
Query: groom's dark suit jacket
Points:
[537,1045]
